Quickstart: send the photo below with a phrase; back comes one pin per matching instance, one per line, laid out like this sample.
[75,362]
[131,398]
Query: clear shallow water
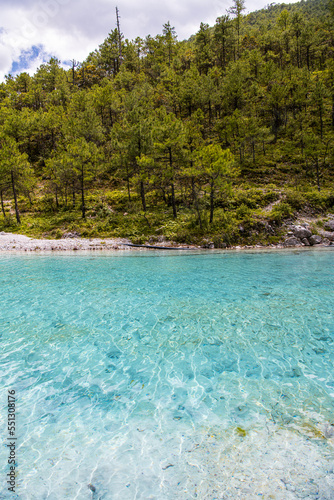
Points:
[154,376]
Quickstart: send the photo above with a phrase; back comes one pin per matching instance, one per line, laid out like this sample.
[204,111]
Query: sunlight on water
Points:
[159,376]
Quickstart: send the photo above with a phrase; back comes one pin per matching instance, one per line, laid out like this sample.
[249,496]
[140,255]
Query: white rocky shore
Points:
[18,243]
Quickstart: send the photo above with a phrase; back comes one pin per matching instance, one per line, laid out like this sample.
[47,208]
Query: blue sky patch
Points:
[26,58]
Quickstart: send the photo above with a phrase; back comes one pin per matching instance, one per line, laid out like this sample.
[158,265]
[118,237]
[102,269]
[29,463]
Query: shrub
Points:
[295,199]
[317,201]
[243,212]
[8,222]
[281,211]
[119,199]
[254,198]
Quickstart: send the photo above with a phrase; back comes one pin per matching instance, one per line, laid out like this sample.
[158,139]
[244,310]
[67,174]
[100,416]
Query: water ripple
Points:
[170,377]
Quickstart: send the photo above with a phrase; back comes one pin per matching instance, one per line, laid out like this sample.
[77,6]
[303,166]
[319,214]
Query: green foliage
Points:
[243,212]
[319,201]
[198,137]
[281,211]
[119,199]
[295,199]
[310,200]
[253,198]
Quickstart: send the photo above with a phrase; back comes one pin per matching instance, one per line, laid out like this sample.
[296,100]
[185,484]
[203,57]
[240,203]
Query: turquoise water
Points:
[158,376]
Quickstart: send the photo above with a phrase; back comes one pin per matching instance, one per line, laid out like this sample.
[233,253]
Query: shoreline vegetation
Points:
[219,141]
[298,236]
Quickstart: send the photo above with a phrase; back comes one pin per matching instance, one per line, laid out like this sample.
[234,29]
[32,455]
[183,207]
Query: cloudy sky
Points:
[32,31]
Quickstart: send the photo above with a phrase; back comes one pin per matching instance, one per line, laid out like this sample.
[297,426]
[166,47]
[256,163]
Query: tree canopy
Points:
[177,125]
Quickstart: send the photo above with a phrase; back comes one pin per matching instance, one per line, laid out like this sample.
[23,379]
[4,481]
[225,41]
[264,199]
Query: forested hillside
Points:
[212,137]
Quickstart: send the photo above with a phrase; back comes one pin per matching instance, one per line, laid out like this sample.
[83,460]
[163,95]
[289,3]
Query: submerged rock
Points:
[328,431]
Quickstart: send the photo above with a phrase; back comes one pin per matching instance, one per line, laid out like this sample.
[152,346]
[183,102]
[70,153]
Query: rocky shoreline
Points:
[302,235]
[297,235]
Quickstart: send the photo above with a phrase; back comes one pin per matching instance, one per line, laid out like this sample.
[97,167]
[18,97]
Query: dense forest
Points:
[212,137]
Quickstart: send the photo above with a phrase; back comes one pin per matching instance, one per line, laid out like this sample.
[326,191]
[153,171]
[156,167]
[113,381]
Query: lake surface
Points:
[158,376]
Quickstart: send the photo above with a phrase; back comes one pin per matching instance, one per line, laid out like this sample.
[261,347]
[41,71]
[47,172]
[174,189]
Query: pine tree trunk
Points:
[238,41]
[2,204]
[142,194]
[128,181]
[173,201]
[17,213]
[83,209]
[212,195]
[172,184]
[224,56]
[318,175]
[196,203]
[164,197]
[56,196]
[128,186]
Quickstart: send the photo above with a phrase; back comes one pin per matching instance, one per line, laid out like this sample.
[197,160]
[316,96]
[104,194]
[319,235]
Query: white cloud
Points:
[5,57]
[71,29]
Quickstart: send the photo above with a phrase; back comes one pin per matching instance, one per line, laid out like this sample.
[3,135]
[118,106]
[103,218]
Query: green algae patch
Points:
[241,432]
